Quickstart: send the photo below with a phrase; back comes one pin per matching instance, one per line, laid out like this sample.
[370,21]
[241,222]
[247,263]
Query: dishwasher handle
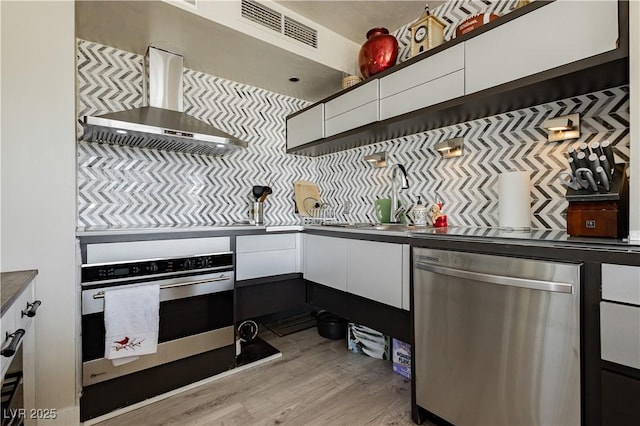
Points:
[551,286]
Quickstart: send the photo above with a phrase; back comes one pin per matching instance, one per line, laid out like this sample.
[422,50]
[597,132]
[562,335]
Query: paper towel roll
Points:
[514,201]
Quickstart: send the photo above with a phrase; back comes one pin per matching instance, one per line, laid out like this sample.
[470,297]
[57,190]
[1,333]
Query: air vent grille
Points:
[300,32]
[256,12]
[280,23]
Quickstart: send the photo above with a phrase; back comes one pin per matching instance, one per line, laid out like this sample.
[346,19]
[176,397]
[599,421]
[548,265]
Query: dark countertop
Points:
[12,284]
[420,236]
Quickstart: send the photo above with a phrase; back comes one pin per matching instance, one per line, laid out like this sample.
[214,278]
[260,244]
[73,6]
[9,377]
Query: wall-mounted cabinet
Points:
[551,36]
[542,52]
[354,109]
[423,84]
[305,127]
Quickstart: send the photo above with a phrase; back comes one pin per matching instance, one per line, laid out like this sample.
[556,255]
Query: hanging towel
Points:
[131,318]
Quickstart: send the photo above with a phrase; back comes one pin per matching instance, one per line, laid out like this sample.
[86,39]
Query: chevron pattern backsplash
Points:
[131,186]
[469,184]
[119,185]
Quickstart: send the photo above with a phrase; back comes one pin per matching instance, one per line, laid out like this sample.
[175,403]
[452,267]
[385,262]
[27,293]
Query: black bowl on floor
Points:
[331,326]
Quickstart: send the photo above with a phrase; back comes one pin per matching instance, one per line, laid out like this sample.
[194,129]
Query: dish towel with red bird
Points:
[131,318]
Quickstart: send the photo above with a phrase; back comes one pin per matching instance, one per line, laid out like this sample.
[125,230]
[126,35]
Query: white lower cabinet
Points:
[267,255]
[374,270]
[620,315]
[325,261]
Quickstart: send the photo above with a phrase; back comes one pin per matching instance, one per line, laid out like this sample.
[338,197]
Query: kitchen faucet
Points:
[396,211]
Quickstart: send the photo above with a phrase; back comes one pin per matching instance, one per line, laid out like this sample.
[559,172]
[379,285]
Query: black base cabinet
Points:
[270,295]
[105,397]
[620,399]
[386,319]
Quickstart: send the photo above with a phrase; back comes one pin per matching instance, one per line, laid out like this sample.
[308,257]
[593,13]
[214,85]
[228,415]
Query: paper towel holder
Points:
[450,148]
[562,128]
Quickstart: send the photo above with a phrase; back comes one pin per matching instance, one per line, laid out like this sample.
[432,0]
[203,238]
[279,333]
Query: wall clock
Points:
[427,32]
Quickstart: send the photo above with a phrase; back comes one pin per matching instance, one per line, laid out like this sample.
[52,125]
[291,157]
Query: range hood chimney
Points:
[162,124]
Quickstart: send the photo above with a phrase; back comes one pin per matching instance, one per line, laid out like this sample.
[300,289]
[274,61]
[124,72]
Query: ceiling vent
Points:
[276,21]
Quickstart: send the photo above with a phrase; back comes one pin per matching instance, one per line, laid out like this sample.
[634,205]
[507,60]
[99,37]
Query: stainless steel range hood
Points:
[162,125]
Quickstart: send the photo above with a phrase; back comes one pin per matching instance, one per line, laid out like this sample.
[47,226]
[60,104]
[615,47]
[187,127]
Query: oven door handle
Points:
[100,294]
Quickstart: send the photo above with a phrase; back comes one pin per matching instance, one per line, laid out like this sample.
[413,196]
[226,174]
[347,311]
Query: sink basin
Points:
[393,227]
[401,227]
[350,224]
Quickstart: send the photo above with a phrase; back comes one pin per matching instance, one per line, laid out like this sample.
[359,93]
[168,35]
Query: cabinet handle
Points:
[11,348]
[31,309]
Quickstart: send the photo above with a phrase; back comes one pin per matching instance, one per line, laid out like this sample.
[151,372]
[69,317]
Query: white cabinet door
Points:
[556,34]
[352,109]
[435,79]
[325,261]
[308,126]
[620,334]
[621,283]
[374,271]
[266,255]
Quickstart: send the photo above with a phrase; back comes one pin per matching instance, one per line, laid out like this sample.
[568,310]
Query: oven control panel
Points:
[155,267]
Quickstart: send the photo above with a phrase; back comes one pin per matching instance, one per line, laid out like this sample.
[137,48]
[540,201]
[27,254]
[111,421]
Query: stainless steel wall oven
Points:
[196,336]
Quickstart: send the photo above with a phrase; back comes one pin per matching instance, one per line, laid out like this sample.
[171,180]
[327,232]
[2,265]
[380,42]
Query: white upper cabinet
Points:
[305,127]
[424,83]
[352,109]
[559,33]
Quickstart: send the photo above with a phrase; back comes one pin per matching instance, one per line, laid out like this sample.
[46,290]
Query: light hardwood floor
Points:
[316,382]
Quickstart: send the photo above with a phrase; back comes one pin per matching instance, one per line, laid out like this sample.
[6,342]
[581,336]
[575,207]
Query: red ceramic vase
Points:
[378,53]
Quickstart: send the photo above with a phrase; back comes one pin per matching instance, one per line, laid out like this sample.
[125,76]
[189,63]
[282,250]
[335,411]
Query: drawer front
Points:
[621,283]
[433,92]
[419,73]
[351,100]
[265,264]
[114,252]
[620,334]
[256,243]
[306,127]
[365,114]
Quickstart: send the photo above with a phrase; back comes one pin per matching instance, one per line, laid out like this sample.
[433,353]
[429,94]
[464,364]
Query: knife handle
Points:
[596,148]
[604,179]
[581,161]
[572,164]
[605,165]
[608,152]
[594,163]
[572,153]
[584,148]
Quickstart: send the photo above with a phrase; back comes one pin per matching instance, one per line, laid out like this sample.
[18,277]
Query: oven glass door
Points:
[188,306]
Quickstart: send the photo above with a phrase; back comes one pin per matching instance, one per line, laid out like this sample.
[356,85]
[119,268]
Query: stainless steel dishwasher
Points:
[497,339]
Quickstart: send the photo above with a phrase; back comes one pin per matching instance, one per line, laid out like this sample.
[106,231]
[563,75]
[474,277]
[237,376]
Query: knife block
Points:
[600,214]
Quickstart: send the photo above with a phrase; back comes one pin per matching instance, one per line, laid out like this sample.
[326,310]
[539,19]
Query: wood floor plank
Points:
[316,382]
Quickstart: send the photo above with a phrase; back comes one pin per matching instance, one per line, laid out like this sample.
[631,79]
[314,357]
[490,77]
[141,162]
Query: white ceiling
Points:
[134,25]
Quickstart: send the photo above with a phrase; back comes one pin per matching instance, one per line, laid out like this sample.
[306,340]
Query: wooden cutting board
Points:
[302,190]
